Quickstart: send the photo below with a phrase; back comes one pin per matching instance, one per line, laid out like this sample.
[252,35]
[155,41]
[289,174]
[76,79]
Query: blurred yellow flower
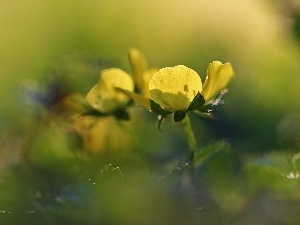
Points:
[105,96]
[103,134]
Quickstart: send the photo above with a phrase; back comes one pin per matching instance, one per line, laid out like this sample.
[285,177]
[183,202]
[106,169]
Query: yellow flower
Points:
[105,96]
[175,88]
[179,89]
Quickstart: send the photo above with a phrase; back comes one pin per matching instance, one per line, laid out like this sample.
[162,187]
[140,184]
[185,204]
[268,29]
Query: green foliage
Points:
[205,153]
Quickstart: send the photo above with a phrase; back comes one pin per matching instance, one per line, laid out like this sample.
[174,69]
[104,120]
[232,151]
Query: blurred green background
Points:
[61,46]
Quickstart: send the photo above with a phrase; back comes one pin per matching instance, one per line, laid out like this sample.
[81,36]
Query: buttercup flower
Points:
[175,88]
[106,96]
[179,89]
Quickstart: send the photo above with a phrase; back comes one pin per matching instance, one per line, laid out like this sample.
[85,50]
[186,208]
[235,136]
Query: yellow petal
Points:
[105,96]
[139,99]
[174,88]
[138,65]
[218,77]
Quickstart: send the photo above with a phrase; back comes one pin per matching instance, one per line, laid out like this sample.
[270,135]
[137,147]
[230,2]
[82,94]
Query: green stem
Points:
[190,135]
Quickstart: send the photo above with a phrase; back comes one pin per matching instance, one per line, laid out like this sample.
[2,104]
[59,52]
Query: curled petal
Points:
[218,77]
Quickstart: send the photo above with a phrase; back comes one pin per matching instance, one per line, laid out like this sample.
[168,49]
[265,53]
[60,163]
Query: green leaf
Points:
[197,102]
[157,109]
[178,116]
[207,152]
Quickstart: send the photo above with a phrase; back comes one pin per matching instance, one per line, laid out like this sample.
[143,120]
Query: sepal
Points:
[197,102]
[179,115]
[157,109]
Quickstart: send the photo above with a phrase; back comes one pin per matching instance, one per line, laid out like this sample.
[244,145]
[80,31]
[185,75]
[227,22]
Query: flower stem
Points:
[190,135]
